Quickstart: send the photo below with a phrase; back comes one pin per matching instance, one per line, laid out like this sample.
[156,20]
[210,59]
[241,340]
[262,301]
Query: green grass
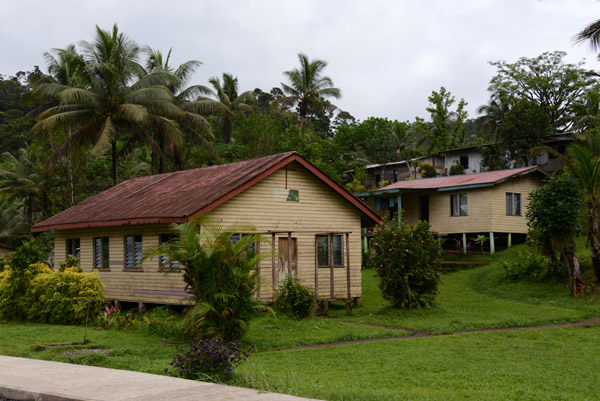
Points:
[130,350]
[545,364]
[540,364]
[477,298]
[272,333]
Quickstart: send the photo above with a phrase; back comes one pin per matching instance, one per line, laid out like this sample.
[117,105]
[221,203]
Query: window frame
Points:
[341,250]
[105,249]
[459,205]
[514,206]
[136,257]
[173,265]
[72,247]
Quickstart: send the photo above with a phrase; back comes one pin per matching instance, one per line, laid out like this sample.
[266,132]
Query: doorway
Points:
[424,207]
[285,268]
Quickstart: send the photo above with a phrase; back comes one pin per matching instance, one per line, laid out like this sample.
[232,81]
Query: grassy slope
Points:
[478,298]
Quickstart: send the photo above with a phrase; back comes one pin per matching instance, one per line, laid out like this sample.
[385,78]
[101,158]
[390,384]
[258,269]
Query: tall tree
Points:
[546,79]
[194,125]
[112,99]
[307,86]
[521,129]
[446,130]
[591,35]
[225,101]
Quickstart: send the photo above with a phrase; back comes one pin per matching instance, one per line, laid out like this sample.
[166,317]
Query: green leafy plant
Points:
[293,299]
[480,240]
[427,170]
[70,263]
[528,265]
[221,276]
[65,297]
[210,360]
[407,261]
[456,169]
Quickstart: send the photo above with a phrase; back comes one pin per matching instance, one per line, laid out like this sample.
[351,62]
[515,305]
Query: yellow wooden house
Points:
[492,203]
[313,225]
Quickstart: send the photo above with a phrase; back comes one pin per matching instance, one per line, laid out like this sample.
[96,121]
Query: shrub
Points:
[208,360]
[293,299]
[456,169]
[356,186]
[531,266]
[427,170]
[220,274]
[407,261]
[63,297]
[14,286]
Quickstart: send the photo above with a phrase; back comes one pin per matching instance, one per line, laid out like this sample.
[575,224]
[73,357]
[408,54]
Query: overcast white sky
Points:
[386,56]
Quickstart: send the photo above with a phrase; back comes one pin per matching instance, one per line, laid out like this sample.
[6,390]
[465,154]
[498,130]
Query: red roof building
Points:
[300,209]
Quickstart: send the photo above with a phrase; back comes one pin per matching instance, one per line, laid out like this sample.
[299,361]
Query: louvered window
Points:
[164,260]
[323,250]
[101,253]
[133,251]
[73,249]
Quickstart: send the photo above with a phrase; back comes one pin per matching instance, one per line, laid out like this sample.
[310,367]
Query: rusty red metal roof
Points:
[178,197]
[490,178]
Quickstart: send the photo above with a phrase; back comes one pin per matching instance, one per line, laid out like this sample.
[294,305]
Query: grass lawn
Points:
[545,364]
[541,364]
[478,298]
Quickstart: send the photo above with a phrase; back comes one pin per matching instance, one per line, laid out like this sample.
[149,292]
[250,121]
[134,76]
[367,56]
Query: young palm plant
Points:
[219,273]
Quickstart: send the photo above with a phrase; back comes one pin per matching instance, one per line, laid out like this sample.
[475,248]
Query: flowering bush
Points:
[427,170]
[208,360]
[407,261]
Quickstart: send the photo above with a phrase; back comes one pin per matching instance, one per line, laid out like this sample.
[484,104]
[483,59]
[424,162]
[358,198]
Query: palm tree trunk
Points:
[594,237]
[574,270]
[303,112]
[114,163]
[70,170]
[161,157]
[227,128]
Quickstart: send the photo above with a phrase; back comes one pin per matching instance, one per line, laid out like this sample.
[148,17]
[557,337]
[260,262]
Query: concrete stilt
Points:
[465,243]
[492,245]
[141,307]
[509,240]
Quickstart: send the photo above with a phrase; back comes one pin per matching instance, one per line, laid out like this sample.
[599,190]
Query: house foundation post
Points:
[141,307]
[509,240]
[365,241]
[492,245]
[464,243]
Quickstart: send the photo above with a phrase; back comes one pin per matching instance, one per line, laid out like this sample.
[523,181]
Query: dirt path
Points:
[414,333]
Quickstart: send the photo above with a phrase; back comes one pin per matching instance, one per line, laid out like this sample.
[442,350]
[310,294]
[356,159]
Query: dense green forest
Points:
[110,109]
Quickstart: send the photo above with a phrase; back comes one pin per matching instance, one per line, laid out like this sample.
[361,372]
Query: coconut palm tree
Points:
[112,99]
[590,34]
[307,85]
[23,178]
[223,99]
[193,124]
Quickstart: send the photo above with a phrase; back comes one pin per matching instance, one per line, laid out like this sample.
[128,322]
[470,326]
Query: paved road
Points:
[31,379]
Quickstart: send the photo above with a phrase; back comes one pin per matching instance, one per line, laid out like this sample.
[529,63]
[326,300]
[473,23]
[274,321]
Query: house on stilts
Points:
[313,224]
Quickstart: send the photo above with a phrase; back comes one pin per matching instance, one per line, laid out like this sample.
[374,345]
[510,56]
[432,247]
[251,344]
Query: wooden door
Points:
[285,268]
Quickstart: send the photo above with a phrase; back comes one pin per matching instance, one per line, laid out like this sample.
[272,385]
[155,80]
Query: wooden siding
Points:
[522,185]
[265,206]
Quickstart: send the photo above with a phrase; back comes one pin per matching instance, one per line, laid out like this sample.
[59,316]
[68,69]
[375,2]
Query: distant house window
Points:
[163,261]
[101,253]
[464,161]
[513,204]
[133,251]
[323,250]
[73,249]
[458,205]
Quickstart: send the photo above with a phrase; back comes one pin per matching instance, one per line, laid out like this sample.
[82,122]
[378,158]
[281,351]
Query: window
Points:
[162,260]
[464,161]
[323,250]
[101,253]
[458,205]
[513,204]
[72,246]
[133,251]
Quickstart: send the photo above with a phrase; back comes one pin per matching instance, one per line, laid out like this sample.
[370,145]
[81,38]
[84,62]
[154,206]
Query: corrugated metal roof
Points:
[176,197]
[490,177]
